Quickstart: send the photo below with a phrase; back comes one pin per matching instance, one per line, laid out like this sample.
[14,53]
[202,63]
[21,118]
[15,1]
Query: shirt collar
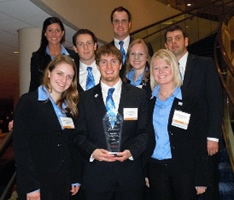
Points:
[117,87]
[126,42]
[63,51]
[43,95]
[176,93]
[130,76]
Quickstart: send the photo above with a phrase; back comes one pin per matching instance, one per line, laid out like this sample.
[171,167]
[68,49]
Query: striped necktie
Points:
[90,79]
[121,43]
[110,106]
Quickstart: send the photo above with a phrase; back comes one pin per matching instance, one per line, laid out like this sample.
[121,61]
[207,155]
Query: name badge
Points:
[67,122]
[180,119]
[130,113]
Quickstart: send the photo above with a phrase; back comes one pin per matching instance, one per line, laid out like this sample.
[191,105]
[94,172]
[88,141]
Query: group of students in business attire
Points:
[171,121]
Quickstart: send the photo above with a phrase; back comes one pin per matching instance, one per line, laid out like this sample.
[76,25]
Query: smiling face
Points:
[162,72]
[138,57]
[121,25]
[54,34]
[86,48]
[176,43]
[109,67]
[60,79]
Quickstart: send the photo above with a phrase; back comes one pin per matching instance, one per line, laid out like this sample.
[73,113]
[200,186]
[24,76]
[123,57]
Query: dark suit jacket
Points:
[123,69]
[39,63]
[40,145]
[100,176]
[201,78]
[188,147]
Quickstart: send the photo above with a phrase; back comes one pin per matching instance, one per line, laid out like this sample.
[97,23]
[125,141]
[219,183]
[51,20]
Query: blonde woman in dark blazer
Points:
[177,167]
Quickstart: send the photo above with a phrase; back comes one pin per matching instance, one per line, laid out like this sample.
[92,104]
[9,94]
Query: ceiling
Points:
[14,15]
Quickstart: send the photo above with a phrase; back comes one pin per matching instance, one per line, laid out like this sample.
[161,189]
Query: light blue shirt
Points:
[130,77]
[63,51]
[43,95]
[161,114]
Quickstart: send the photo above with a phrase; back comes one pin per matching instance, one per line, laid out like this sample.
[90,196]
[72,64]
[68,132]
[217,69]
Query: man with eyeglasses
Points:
[106,174]
[85,45]
[121,20]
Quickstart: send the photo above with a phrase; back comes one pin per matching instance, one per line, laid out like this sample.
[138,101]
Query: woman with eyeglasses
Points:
[137,67]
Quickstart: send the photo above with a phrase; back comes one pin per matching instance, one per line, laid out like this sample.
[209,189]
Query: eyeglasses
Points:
[123,21]
[137,55]
[82,44]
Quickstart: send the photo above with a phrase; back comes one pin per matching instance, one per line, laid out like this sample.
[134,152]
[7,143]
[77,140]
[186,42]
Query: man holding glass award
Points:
[112,133]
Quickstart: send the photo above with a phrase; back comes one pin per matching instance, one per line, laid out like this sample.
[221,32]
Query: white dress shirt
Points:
[125,45]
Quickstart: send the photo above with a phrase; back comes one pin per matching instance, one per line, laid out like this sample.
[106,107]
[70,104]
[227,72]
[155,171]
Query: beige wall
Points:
[95,14]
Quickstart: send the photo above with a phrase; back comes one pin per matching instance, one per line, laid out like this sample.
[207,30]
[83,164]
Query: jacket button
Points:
[59,145]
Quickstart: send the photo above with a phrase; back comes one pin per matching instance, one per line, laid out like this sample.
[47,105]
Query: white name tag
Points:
[180,119]
[130,113]
[67,122]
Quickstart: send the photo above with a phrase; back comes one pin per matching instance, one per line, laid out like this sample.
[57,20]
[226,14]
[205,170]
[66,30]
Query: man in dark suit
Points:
[121,20]
[107,176]
[200,77]
[85,45]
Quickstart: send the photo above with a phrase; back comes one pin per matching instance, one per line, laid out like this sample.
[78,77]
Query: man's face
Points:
[176,43]
[85,47]
[109,67]
[121,25]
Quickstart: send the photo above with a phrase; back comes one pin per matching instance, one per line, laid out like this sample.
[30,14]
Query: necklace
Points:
[165,97]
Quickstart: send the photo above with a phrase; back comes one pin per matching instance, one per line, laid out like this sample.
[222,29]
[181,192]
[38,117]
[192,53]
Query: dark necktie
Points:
[121,43]
[90,79]
[110,106]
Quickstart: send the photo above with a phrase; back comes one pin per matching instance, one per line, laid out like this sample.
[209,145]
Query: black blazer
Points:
[99,176]
[201,78]
[40,62]
[39,143]
[188,147]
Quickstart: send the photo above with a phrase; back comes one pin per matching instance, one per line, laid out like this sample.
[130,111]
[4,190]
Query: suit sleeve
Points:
[214,99]
[22,133]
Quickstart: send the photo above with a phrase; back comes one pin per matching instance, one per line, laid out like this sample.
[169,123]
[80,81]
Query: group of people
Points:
[170,108]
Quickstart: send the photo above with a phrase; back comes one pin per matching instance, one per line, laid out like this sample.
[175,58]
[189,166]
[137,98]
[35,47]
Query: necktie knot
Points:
[121,43]
[110,91]
[90,82]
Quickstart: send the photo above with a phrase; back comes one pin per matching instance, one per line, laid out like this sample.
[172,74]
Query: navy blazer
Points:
[201,79]
[39,143]
[97,175]
[188,147]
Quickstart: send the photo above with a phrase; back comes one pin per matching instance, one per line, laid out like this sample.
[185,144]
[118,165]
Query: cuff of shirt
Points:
[76,184]
[213,139]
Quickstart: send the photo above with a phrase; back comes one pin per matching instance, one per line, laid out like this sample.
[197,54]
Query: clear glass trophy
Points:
[113,129]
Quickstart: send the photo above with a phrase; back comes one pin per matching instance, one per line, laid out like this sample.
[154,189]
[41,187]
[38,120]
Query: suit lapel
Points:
[98,99]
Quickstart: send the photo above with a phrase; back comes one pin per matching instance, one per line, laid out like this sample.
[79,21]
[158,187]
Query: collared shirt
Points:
[83,74]
[43,95]
[125,45]
[130,77]
[63,51]
[183,62]
[116,93]
[161,114]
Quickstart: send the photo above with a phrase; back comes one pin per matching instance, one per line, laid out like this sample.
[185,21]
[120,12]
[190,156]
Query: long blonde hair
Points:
[171,60]
[70,96]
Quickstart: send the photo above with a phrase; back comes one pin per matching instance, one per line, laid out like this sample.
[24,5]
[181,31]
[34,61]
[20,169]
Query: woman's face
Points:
[54,33]
[61,78]
[138,57]
[162,72]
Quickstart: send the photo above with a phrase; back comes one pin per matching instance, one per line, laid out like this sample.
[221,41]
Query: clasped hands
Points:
[104,155]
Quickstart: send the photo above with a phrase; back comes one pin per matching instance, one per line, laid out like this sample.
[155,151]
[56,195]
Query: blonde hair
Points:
[70,96]
[171,60]
[129,66]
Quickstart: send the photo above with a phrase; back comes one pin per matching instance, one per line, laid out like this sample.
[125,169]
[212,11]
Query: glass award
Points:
[113,129]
